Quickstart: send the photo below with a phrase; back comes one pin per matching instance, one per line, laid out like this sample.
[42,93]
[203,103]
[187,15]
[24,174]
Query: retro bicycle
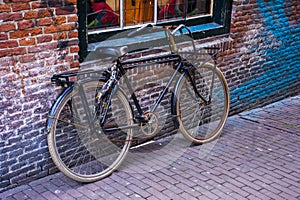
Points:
[92,123]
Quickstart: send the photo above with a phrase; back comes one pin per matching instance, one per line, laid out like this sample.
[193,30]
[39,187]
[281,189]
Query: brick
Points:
[45,21]
[138,191]
[44,38]
[51,29]
[25,33]
[31,15]
[49,195]
[5,27]
[254,192]
[73,34]
[20,195]
[67,27]
[119,195]
[186,195]
[9,44]
[60,20]
[5,8]
[42,47]
[3,36]
[37,14]
[25,24]
[27,41]
[32,194]
[74,49]
[156,193]
[73,18]
[20,6]
[6,17]
[18,51]
[36,5]
[60,36]
[4,184]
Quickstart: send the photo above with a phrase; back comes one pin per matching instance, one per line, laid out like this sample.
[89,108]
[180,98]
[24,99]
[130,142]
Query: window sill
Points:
[156,36]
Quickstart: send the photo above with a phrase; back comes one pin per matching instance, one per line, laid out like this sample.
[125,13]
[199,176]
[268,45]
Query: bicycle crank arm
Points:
[119,127]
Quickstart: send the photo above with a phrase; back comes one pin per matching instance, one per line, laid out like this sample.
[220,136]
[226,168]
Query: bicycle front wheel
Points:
[78,145]
[202,122]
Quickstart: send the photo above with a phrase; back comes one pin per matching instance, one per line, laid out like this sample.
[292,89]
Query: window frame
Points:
[203,26]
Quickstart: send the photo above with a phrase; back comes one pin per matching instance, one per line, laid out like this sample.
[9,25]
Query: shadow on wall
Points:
[280,71]
[65,4]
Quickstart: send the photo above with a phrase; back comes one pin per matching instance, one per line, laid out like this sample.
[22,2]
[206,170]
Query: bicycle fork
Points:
[193,83]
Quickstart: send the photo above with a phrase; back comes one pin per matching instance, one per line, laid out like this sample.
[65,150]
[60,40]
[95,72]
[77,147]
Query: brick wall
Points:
[36,41]
[260,60]
[263,65]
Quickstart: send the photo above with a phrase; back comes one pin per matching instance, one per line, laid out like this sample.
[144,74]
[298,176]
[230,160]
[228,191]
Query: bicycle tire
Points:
[77,151]
[198,122]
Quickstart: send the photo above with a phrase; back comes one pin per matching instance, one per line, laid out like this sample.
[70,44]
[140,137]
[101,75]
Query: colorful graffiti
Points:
[280,70]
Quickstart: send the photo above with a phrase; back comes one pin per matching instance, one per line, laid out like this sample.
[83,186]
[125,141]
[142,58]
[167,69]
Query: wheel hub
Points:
[150,127]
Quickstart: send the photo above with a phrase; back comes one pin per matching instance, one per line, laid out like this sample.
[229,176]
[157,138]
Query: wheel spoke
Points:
[199,121]
[80,152]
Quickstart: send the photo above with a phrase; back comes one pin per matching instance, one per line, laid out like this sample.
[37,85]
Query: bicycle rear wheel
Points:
[200,122]
[79,147]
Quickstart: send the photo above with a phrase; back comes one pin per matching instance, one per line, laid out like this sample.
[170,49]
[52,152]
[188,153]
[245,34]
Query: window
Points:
[100,19]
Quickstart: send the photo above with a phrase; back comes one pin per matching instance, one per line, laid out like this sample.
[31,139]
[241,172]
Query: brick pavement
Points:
[256,157]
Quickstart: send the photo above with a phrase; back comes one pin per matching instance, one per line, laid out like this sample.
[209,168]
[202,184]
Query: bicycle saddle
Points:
[107,52]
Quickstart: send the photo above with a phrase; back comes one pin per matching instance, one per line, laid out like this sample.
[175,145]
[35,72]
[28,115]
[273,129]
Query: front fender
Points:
[54,107]
[174,101]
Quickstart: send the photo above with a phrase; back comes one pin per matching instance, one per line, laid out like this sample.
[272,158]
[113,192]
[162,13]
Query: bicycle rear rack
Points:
[68,78]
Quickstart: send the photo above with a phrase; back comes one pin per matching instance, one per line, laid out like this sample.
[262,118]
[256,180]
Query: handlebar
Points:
[178,28]
[136,31]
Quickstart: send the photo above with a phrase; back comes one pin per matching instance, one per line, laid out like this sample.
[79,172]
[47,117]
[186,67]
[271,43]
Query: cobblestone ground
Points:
[256,157]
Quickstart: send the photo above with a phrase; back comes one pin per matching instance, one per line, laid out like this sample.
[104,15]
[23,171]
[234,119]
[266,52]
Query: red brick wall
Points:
[36,41]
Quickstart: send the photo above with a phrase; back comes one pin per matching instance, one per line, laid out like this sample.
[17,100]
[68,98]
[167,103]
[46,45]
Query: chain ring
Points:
[150,128]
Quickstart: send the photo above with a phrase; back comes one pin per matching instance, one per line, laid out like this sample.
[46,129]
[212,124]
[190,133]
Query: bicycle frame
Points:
[182,67]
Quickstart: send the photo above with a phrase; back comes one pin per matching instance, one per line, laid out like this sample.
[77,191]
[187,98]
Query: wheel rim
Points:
[202,122]
[78,153]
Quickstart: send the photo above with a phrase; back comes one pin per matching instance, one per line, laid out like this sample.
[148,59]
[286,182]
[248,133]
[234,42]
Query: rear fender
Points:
[63,95]
[54,107]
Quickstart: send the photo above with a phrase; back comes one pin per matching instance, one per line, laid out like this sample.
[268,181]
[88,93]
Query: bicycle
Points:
[90,125]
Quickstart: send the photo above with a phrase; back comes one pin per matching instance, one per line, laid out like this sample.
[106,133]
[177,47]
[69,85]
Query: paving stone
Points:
[156,193]
[74,193]
[66,196]
[152,198]
[49,195]
[138,191]
[186,195]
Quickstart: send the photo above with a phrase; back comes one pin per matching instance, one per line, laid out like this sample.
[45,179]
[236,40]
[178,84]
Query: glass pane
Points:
[103,13]
[168,9]
[138,11]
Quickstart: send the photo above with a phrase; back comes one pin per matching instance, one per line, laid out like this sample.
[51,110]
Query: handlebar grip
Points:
[136,31]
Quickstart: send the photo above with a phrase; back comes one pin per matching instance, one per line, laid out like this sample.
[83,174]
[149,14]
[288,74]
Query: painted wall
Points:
[266,52]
